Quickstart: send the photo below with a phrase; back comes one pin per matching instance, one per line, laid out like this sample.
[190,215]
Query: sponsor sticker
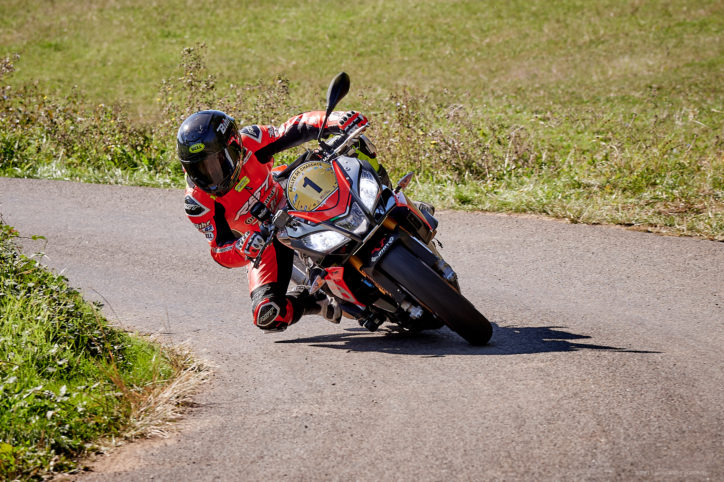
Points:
[377,253]
[224,125]
[261,191]
[198,147]
[193,207]
[267,313]
[206,228]
[241,184]
[201,226]
[253,132]
[310,185]
[247,156]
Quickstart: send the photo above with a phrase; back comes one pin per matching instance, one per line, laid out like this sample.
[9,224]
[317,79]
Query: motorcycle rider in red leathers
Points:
[227,172]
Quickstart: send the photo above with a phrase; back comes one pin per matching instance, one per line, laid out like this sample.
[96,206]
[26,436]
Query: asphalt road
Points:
[606,361]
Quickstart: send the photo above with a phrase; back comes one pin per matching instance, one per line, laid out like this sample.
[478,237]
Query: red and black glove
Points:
[249,244]
[352,120]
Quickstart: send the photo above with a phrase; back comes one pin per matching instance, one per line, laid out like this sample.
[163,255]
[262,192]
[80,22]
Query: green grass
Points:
[120,50]
[601,112]
[67,379]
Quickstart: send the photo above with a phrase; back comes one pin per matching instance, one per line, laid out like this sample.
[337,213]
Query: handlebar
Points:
[346,143]
[350,139]
[280,220]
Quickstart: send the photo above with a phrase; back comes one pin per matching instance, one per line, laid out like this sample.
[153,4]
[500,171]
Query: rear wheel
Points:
[434,293]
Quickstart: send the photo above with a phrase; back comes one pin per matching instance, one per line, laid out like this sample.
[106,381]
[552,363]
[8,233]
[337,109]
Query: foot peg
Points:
[330,309]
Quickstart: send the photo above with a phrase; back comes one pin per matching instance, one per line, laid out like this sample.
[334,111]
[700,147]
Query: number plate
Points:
[310,185]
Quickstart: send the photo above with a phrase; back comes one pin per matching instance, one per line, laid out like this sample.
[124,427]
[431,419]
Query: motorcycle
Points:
[365,243]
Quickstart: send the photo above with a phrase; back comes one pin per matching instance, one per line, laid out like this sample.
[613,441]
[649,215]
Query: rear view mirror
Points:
[338,88]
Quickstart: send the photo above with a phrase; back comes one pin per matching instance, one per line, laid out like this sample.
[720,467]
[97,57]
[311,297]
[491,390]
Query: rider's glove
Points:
[249,244]
[351,120]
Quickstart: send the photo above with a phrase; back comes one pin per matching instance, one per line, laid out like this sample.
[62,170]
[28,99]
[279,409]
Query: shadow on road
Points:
[508,340]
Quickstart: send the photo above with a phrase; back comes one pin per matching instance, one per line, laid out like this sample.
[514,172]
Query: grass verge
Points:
[610,112]
[658,167]
[69,382]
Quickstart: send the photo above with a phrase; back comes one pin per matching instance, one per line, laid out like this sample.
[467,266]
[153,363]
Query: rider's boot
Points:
[315,304]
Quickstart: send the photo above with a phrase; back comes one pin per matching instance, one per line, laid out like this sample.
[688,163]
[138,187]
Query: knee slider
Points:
[271,313]
[267,316]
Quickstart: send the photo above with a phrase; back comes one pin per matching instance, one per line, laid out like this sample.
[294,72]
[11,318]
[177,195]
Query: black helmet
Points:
[210,150]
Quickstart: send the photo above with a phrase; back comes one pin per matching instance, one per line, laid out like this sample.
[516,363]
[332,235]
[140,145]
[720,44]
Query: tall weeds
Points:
[658,166]
[68,380]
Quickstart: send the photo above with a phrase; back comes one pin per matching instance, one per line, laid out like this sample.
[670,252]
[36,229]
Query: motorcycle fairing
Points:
[311,185]
[335,197]
[403,212]
[335,204]
[401,200]
[337,285]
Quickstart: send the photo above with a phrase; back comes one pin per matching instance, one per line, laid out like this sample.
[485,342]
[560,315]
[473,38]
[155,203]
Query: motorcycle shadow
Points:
[506,340]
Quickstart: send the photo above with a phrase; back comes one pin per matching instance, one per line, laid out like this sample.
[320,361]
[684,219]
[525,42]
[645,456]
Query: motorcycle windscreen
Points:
[310,185]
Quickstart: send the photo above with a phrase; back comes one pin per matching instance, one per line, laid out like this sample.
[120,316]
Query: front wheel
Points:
[434,293]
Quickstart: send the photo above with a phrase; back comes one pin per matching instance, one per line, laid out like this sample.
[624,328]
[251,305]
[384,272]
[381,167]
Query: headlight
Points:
[355,221]
[324,241]
[368,190]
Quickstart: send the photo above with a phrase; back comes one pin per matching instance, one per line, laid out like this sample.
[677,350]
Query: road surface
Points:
[606,360]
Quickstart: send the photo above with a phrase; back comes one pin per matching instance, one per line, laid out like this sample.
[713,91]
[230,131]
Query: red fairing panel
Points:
[335,205]
[337,285]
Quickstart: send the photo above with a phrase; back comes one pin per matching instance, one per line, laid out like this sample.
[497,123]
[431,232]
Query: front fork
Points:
[396,234]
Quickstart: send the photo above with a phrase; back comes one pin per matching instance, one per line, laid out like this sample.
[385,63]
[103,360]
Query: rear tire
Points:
[434,293]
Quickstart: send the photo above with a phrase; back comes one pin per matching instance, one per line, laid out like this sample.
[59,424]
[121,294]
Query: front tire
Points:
[434,293]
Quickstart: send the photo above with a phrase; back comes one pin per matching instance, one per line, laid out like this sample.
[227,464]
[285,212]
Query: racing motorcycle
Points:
[364,243]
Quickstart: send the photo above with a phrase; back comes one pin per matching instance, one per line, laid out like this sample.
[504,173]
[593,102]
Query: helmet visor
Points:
[213,173]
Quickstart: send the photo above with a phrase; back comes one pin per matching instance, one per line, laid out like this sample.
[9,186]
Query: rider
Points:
[227,172]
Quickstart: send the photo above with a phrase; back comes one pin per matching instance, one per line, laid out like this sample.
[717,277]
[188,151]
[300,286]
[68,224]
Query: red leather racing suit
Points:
[226,221]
